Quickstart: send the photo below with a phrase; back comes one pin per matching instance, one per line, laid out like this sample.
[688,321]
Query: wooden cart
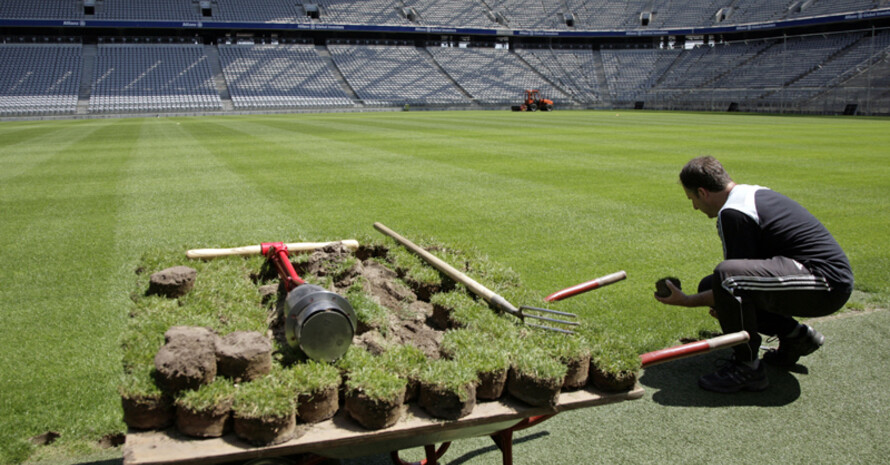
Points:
[341,437]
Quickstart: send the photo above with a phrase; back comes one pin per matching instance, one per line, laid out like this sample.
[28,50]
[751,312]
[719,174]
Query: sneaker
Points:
[735,376]
[791,349]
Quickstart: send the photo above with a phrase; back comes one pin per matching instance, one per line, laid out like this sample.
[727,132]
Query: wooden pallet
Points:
[341,437]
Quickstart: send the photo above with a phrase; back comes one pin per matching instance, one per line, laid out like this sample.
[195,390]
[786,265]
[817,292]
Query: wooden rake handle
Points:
[257,249]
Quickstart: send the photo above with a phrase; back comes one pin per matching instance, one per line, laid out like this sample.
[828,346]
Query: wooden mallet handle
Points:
[257,250]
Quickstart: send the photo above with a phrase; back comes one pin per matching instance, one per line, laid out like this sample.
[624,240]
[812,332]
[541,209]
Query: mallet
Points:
[321,323]
[493,299]
[586,286]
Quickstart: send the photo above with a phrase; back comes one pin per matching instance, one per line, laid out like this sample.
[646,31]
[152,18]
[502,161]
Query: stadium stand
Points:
[262,11]
[171,10]
[151,77]
[574,70]
[490,75]
[392,75]
[630,73]
[388,53]
[280,76]
[39,79]
[467,13]
[382,12]
[44,9]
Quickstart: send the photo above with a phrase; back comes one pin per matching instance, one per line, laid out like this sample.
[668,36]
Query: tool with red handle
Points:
[694,348]
[586,286]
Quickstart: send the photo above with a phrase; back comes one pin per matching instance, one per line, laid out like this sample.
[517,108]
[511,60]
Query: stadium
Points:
[133,131]
[230,56]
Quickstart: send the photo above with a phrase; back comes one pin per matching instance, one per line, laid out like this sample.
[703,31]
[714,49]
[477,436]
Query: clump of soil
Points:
[187,360]
[172,282]
[244,355]
[148,412]
[662,289]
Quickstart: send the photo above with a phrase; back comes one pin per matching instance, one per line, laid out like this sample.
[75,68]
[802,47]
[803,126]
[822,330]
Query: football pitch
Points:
[559,197]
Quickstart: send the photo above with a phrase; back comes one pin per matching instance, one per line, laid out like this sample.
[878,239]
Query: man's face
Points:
[701,201]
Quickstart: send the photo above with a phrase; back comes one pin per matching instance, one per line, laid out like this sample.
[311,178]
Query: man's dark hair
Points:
[704,172]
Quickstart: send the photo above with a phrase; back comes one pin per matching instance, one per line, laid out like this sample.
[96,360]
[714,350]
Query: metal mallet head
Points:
[319,322]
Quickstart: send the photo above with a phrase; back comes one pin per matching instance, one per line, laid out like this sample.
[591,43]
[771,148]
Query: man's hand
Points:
[678,298]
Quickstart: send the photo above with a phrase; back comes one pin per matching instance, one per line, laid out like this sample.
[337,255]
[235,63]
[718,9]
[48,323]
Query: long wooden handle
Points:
[440,265]
[257,250]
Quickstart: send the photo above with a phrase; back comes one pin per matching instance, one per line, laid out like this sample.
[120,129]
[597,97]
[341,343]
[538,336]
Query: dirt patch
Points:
[112,440]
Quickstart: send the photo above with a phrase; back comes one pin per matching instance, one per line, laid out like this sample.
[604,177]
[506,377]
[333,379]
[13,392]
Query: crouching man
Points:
[779,263]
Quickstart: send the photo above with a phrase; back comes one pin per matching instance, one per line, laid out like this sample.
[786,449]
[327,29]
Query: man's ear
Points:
[702,193]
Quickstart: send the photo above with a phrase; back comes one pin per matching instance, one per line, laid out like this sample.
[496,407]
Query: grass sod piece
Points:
[220,391]
[407,362]
[144,405]
[374,397]
[448,388]
[614,364]
[485,355]
[536,378]
[265,410]
[316,386]
[572,350]
[204,412]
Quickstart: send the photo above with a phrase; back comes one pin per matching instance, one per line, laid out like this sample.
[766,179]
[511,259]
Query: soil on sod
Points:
[403,316]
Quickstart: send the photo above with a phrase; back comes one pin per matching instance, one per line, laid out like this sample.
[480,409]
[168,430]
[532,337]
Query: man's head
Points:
[706,184]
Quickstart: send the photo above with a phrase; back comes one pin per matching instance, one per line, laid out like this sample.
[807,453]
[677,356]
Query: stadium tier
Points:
[195,56]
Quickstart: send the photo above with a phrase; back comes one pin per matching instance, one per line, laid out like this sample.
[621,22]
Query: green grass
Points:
[558,198]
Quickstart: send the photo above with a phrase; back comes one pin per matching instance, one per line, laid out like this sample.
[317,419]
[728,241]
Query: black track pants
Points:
[763,296]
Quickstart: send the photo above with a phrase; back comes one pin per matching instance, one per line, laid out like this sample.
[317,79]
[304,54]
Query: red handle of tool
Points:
[587,286]
[694,348]
[277,253]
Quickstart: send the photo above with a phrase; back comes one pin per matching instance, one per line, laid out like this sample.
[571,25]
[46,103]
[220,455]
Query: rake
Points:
[494,300]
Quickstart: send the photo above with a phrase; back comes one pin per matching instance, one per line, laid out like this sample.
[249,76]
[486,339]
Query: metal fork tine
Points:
[550,328]
[547,310]
[552,320]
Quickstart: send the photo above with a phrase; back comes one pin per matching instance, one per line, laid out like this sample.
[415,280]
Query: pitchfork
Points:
[496,301]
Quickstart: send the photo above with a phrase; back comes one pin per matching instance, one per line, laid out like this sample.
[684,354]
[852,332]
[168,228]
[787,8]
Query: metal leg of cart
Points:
[503,439]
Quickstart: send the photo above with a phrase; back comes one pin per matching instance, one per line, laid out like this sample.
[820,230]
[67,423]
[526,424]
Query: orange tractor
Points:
[534,102]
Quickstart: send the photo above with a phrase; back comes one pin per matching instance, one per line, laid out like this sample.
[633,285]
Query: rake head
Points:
[522,313]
